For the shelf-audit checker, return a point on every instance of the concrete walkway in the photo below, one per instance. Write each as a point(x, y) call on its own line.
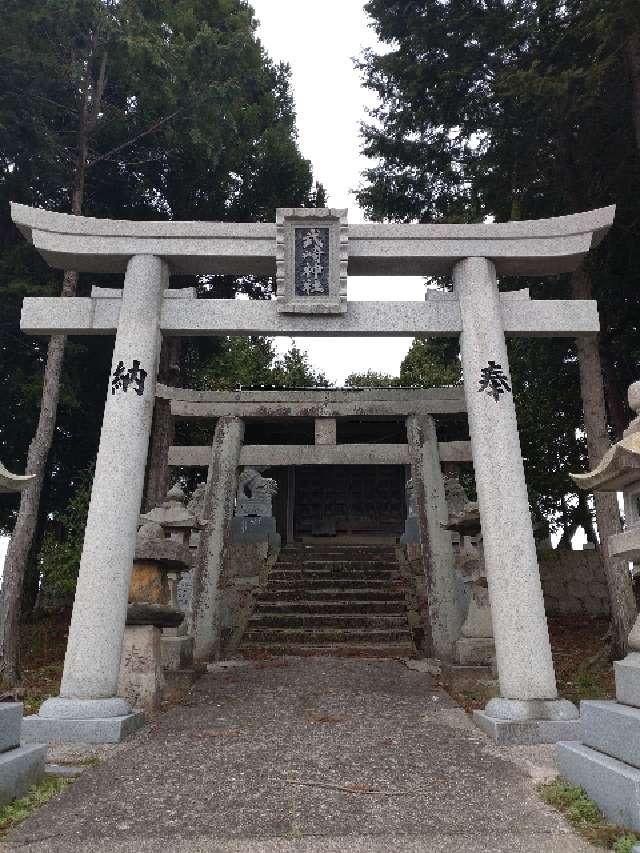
point(314, 754)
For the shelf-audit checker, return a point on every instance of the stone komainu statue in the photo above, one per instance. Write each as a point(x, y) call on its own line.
point(255, 493)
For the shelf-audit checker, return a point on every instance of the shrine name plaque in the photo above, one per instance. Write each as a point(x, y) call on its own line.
point(311, 260)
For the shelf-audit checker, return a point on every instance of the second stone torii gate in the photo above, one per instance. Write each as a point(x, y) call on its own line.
point(421, 453)
point(148, 252)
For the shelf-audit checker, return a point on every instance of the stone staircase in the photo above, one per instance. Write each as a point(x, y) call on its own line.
point(332, 599)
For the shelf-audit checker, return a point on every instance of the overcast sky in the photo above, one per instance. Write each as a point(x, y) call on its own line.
point(319, 41)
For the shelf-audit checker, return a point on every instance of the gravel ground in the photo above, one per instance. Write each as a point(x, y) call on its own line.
point(311, 754)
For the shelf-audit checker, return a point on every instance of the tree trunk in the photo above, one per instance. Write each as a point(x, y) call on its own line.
point(162, 430)
point(91, 91)
point(22, 537)
point(616, 403)
point(622, 599)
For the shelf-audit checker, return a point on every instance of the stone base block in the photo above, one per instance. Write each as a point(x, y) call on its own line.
point(462, 678)
point(141, 678)
point(178, 681)
point(475, 651)
point(37, 729)
point(176, 652)
point(614, 785)
point(613, 729)
point(627, 674)
point(20, 769)
point(526, 732)
point(247, 529)
point(10, 722)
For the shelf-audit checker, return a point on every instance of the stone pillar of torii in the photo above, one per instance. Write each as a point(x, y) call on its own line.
point(310, 252)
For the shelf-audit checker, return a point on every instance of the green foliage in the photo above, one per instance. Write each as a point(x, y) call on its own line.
point(586, 817)
point(196, 123)
point(519, 110)
point(19, 810)
point(60, 554)
point(431, 363)
point(254, 361)
point(371, 379)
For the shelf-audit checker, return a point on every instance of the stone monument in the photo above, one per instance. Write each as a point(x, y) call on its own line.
point(606, 760)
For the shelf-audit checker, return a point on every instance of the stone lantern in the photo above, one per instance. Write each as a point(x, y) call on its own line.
point(475, 647)
point(606, 763)
point(162, 554)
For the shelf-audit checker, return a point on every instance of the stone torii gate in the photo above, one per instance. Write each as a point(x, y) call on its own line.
point(421, 453)
point(310, 252)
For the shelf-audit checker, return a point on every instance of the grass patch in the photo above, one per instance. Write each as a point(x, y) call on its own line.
point(586, 817)
point(14, 813)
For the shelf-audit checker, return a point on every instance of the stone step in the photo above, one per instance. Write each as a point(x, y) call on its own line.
point(613, 784)
point(337, 565)
point(361, 650)
point(311, 596)
point(334, 583)
point(20, 769)
point(334, 607)
point(338, 556)
point(323, 622)
point(318, 637)
point(328, 575)
point(612, 728)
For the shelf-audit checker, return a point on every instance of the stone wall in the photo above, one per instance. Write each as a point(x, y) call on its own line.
point(573, 583)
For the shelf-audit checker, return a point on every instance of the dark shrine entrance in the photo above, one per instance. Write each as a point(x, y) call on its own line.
point(337, 500)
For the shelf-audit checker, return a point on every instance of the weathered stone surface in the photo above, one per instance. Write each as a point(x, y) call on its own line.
point(148, 583)
point(13, 482)
point(37, 729)
point(141, 679)
point(542, 247)
point(325, 431)
point(159, 615)
point(613, 729)
point(246, 530)
point(475, 651)
point(20, 769)
point(627, 673)
point(171, 555)
point(92, 660)
point(311, 260)
point(10, 721)
point(519, 710)
point(520, 733)
point(217, 512)
point(438, 560)
point(176, 652)
point(185, 317)
point(523, 651)
point(83, 709)
point(461, 678)
point(614, 785)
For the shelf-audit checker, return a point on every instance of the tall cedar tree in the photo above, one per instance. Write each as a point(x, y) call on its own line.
point(125, 109)
point(526, 109)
